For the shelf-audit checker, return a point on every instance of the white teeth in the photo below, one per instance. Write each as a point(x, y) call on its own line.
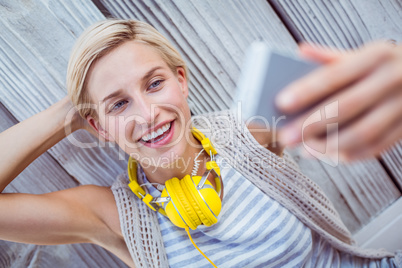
point(156, 133)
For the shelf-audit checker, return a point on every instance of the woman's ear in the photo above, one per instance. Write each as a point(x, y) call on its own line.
point(181, 77)
point(102, 134)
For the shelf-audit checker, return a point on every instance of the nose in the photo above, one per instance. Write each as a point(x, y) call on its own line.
point(146, 111)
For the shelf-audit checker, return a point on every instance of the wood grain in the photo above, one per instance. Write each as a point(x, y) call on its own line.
point(359, 191)
point(35, 42)
point(392, 160)
point(17, 255)
point(342, 24)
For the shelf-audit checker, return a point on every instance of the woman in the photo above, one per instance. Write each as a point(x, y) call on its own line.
point(137, 84)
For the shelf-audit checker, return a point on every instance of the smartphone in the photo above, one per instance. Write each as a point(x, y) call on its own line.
point(265, 72)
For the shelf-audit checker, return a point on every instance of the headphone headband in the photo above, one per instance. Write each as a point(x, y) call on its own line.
point(205, 142)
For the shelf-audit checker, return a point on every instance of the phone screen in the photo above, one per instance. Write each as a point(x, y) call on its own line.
point(264, 74)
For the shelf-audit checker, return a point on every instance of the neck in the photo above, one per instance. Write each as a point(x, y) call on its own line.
point(180, 167)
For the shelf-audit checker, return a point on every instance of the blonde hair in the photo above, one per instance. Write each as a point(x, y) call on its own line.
point(102, 37)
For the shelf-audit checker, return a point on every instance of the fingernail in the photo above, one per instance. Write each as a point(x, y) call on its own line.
point(285, 99)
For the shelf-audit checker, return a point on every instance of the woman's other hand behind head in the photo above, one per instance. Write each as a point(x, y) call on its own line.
point(73, 121)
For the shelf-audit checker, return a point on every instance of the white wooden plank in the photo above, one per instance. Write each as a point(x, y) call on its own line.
point(35, 43)
point(382, 18)
point(392, 160)
point(343, 24)
point(359, 191)
point(384, 230)
point(17, 255)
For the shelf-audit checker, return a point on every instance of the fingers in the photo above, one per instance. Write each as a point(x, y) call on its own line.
point(362, 94)
point(355, 100)
point(371, 133)
point(318, 53)
point(331, 78)
point(376, 131)
point(312, 124)
point(385, 143)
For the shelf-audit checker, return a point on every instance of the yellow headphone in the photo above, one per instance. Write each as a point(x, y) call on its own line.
point(191, 201)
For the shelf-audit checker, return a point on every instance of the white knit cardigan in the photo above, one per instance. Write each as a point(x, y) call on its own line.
point(278, 177)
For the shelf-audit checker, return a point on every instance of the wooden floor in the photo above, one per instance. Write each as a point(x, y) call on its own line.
point(35, 42)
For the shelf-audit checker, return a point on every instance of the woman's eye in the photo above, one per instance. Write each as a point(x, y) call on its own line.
point(155, 84)
point(118, 105)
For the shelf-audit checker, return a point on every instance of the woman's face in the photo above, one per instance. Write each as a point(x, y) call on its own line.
point(142, 103)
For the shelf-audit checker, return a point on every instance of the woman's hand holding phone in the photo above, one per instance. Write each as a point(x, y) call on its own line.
point(365, 85)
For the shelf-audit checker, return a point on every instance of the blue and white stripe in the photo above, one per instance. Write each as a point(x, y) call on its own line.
point(253, 230)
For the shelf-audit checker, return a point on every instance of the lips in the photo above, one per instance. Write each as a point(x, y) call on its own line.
point(157, 134)
point(160, 136)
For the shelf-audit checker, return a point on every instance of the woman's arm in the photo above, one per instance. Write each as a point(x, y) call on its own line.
point(24, 142)
point(266, 138)
point(84, 214)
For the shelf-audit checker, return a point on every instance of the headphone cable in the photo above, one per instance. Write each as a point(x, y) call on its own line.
point(196, 164)
point(202, 253)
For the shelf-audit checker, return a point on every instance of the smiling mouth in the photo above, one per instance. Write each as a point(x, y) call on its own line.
point(157, 135)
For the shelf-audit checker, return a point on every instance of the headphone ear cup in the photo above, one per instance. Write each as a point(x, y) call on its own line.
point(206, 201)
point(203, 218)
point(179, 210)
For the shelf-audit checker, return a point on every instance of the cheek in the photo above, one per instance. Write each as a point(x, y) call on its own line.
point(125, 128)
point(176, 98)
point(111, 126)
point(178, 104)
point(117, 128)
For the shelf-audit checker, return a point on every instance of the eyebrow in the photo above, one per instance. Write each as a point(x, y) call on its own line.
point(145, 77)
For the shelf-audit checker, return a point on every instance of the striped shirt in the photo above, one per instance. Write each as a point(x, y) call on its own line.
point(253, 230)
